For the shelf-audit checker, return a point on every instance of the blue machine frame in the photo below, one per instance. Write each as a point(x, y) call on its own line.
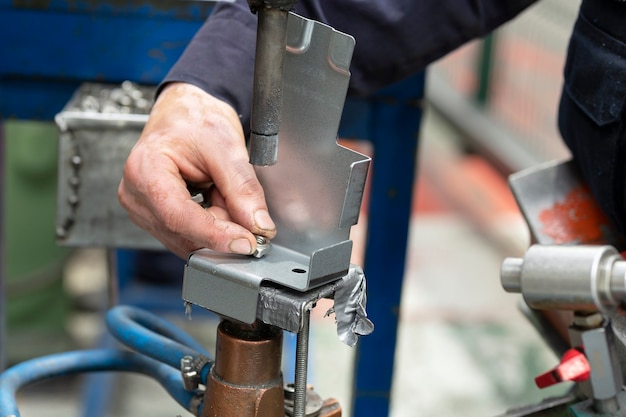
point(391, 121)
point(50, 47)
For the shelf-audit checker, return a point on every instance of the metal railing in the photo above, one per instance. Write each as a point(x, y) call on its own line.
point(503, 92)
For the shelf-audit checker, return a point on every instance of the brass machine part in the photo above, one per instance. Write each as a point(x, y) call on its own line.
point(246, 379)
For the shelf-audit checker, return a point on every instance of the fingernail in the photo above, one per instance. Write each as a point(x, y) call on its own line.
point(263, 220)
point(241, 246)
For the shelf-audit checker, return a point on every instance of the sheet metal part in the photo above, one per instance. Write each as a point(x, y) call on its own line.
point(314, 191)
point(285, 308)
point(559, 208)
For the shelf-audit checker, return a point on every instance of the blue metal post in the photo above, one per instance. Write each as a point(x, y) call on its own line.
point(69, 42)
point(394, 117)
point(2, 269)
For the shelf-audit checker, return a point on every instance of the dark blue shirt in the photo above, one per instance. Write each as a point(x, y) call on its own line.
point(394, 39)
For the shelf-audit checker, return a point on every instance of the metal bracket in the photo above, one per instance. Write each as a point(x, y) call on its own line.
point(559, 207)
point(314, 191)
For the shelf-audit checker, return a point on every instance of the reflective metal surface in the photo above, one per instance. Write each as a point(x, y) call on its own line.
point(559, 208)
point(267, 90)
point(558, 277)
point(98, 128)
point(314, 191)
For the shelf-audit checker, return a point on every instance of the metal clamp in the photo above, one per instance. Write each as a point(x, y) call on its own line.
point(191, 369)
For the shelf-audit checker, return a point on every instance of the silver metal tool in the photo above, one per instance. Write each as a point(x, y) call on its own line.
point(582, 278)
point(574, 266)
point(267, 94)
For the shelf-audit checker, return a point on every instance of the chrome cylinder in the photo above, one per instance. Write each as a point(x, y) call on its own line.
point(267, 97)
point(581, 278)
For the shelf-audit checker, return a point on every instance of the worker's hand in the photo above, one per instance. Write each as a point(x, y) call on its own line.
point(192, 138)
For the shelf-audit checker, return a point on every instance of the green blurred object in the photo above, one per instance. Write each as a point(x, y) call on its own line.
point(37, 306)
point(484, 69)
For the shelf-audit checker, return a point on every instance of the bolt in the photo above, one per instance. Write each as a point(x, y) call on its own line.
point(191, 379)
point(61, 232)
point(142, 103)
point(587, 321)
point(198, 198)
point(185, 363)
point(76, 161)
point(302, 357)
point(314, 402)
point(136, 94)
point(263, 246)
point(127, 85)
point(125, 101)
point(72, 199)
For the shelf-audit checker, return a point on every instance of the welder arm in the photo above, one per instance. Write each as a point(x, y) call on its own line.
point(395, 38)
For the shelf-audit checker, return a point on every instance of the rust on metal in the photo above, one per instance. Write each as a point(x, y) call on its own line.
point(575, 219)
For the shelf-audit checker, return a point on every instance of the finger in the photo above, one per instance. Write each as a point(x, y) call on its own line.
point(242, 195)
point(168, 212)
point(209, 228)
point(217, 199)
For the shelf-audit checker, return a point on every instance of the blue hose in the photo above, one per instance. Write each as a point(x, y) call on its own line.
point(162, 343)
point(69, 363)
point(153, 336)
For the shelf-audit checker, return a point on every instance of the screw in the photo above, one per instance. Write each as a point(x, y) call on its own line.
point(72, 199)
point(76, 161)
point(61, 232)
point(263, 246)
point(588, 321)
point(302, 357)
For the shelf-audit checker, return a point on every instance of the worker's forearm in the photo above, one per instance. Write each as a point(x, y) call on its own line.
point(394, 38)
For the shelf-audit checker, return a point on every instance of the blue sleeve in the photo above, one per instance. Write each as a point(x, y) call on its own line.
point(394, 39)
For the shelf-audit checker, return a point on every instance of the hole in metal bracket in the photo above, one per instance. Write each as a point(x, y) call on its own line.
point(299, 271)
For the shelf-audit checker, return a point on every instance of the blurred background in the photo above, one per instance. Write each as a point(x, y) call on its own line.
point(463, 345)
